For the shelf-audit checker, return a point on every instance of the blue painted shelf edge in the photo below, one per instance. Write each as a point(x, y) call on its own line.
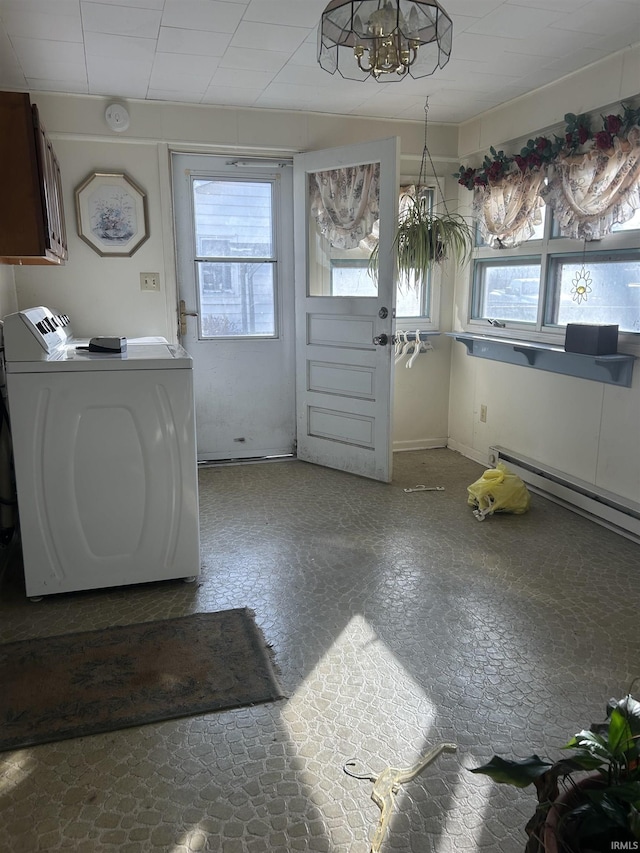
point(612, 369)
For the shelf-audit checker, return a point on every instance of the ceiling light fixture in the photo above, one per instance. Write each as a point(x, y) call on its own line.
point(384, 39)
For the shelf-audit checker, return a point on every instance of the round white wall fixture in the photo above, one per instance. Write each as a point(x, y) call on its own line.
point(117, 117)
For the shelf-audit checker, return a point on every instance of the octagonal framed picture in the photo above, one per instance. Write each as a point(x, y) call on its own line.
point(111, 212)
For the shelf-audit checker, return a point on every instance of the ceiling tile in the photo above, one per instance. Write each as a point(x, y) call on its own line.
point(33, 20)
point(231, 96)
point(278, 95)
point(254, 60)
point(551, 5)
point(291, 13)
point(306, 54)
point(120, 20)
point(12, 77)
point(74, 87)
point(475, 8)
point(172, 95)
point(38, 55)
point(573, 62)
point(118, 48)
point(555, 43)
point(243, 79)
point(201, 42)
point(513, 22)
point(125, 78)
point(623, 16)
point(174, 71)
point(209, 15)
point(137, 4)
point(613, 43)
point(269, 37)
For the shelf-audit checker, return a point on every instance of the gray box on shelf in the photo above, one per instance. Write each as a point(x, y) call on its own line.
point(591, 339)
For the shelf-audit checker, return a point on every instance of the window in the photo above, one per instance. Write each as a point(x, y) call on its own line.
point(235, 257)
point(508, 290)
point(349, 276)
point(549, 281)
point(612, 288)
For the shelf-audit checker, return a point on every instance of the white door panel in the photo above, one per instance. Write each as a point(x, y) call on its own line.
point(343, 379)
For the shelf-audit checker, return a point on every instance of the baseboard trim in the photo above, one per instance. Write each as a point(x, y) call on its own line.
point(419, 444)
point(469, 452)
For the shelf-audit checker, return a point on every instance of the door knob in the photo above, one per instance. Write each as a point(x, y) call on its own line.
point(183, 317)
point(381, 340)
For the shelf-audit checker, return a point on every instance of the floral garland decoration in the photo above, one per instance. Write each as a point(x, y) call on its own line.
point(543, 151)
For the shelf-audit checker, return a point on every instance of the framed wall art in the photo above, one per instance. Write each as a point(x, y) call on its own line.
point(111, 210)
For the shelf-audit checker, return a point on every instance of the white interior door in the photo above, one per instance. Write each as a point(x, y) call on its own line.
point(234, 238)
point(344, 323)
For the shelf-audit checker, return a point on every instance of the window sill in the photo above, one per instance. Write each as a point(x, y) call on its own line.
point(611, 369)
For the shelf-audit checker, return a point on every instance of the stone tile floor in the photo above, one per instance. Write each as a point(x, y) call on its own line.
point(398, 621)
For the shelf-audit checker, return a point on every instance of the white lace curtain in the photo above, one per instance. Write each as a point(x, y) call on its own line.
point(591, 192)
point(509, 210)
point(345, 204)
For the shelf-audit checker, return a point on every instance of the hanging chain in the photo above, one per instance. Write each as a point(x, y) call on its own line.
point(422, 176)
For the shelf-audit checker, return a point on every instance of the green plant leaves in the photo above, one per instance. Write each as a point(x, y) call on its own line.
point(591, 742)
point(620, 735)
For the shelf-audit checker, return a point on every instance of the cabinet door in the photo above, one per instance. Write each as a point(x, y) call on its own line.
point(53, 209)
point(31, 215)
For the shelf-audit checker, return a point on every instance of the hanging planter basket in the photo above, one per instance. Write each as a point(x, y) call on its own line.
point(424, 238)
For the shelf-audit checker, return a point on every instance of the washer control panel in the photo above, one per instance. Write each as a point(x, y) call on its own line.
point(33, 333)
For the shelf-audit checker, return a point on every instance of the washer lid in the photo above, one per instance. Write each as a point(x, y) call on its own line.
point(148, 356)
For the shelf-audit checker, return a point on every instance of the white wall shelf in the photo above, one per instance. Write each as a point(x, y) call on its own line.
point(613, 369)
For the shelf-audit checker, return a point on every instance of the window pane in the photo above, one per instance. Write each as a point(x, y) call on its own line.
point(233, 219)
point(236, 299)
point(630, 224)
point(507, 292)
point(351, 278)
point(412, 300)
point(605, 290)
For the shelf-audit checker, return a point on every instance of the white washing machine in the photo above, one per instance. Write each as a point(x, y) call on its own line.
point(105, 458)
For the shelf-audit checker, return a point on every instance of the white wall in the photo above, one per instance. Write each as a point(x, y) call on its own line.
point(587, 429)
point(103, 296)
point(8, 297)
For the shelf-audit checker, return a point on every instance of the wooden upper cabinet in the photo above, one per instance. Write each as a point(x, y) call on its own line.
point(32, 227)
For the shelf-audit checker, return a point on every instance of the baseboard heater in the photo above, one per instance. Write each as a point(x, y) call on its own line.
point(606, 508)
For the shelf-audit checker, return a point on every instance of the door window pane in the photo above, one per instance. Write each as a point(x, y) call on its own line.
point(352, 278)
point(233, 218)
point(236, 299)
point(234, 257)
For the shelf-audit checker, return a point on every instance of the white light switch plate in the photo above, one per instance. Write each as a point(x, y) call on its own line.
point(149, 281)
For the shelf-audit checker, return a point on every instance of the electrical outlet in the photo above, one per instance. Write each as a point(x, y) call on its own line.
point(149, 281)
point(483, 414)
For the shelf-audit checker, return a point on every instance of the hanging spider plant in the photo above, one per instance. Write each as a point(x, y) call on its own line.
point(424, 238)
